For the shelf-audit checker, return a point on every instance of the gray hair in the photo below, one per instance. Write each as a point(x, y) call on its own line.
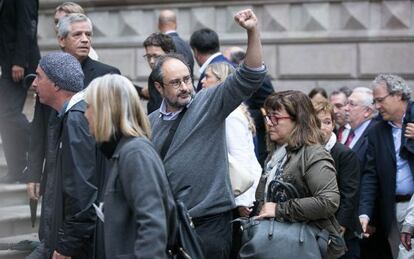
point(367, 98)
point(395, 84)
point(367, 95)
point(64, 25)
point(157, 74)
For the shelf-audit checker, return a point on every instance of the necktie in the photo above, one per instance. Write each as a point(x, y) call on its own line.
point(350, 138)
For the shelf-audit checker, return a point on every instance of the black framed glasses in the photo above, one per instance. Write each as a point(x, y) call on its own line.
point(380, 99)
point(176, 83)
point(150, 56)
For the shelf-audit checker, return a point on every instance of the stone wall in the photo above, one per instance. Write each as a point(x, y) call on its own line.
point(306, 43)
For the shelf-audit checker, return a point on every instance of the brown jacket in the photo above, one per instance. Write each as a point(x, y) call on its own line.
point(311, 170)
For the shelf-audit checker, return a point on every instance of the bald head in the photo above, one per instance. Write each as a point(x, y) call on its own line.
point(167, 21)
point(234, 54)
point(230, 50)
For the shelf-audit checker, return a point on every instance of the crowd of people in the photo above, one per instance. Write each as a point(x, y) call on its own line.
point(110, 172)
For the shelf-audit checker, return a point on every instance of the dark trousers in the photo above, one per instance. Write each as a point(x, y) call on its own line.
point(215, 233)
point(354, 251)
point(376, 246)
point(14, 126)
point(236, 237)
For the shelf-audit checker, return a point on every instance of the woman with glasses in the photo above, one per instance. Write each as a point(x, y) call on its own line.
point(297, 158)
point(240, 131)
point(135, 199)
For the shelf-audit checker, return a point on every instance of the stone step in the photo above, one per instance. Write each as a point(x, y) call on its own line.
point(18, 254)
point(13, 254)
point(13, 194)
point(15, 220)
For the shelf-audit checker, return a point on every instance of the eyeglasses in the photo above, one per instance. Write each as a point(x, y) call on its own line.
point(380, 99)
point(150, 56)
point(274, 119)
point(176, 83)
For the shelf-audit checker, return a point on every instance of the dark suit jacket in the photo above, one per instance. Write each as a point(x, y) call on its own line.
point(360, 147)
point(219, 58)
point(93, 69)
point(184, 49)
point(379, 175)
point(407, 145)
point(155, 98)
point(18, 35)
point(38, 141)
point(348, 176)
point(255, 103)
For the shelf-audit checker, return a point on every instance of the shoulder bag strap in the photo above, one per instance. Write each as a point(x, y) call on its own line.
point(173, 129)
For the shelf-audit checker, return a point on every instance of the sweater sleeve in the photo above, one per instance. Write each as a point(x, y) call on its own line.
point(239, 86)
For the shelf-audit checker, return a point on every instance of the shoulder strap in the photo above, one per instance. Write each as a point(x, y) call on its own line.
point(173, 129)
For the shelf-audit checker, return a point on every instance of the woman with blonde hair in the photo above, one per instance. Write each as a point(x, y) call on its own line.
point(135, 193)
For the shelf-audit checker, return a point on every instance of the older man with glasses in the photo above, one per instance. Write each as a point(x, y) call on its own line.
point(388, 174)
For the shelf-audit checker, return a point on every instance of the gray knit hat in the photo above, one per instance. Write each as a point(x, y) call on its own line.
point(64, 70)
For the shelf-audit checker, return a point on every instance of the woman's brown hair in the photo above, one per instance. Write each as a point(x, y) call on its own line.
point(300, 109)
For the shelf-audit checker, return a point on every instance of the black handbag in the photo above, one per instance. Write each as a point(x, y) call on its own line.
point(272, 239)
point(184, 243)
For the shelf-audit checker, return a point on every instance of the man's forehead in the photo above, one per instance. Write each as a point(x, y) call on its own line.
point(174, 68)
point(355, 97)
point(154, 49)
point(380, 88)
point(59, 14)
point(80, 26)
point(39, 70)
point(339, 97)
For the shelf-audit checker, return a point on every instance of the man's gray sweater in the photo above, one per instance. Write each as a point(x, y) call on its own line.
point(197, 156)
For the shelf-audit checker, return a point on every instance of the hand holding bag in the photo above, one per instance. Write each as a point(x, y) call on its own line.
point(271, 239)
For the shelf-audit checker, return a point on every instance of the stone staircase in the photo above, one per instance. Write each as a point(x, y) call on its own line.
point(15, 223)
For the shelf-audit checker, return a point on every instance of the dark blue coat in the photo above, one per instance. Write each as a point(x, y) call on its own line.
point(379, 175)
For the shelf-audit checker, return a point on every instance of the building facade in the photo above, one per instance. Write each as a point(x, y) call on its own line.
point(307, 43)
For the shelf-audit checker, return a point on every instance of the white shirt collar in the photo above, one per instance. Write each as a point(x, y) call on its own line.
point(79, 96)
point(358, 132)
point(170, 31)
point(204, 66)
point(170, 115)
